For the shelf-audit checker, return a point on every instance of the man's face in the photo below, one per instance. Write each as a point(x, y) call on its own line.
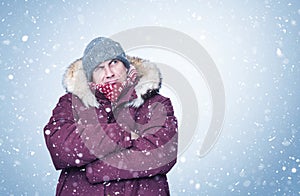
point(110, 71)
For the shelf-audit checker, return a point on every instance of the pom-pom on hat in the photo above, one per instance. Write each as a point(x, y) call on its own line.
point(99, 50)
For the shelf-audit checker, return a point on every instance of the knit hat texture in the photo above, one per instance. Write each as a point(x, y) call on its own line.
point(99, 50)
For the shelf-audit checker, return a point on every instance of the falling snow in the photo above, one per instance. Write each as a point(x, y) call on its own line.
point(255, 45)
point(25, 38)
point(10, 76)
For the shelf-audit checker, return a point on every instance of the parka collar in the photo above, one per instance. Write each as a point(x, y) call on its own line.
point(149, 80)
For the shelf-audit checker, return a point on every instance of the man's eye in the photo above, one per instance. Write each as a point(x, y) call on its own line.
point(98, 68)
point(114, 62)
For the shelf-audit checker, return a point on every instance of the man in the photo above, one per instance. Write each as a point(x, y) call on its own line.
point(112, 133)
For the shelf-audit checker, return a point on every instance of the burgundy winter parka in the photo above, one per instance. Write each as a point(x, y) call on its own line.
point(90, 139)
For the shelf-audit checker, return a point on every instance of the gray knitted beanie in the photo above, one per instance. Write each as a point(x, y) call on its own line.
point(99, 50)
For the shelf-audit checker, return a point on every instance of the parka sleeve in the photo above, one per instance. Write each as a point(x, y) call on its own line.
point(153, 153)
point(73, 141)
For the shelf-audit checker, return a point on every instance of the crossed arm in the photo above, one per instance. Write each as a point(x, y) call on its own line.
point(108, 150)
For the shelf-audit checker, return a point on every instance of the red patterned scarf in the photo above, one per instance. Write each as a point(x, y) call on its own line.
point(113, 91)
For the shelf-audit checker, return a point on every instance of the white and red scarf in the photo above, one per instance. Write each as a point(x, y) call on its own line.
point(113, 91)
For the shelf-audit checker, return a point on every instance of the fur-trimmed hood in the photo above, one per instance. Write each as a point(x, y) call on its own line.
point(149, 76)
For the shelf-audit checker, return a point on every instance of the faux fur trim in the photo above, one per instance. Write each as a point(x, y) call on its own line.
point(75, 81)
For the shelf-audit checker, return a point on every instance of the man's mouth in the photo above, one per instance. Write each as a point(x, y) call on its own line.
point(111, 82)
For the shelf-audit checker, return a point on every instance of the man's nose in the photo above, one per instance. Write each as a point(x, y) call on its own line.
point(108, 72)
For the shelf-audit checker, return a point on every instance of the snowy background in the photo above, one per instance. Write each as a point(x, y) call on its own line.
point(255, 45)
